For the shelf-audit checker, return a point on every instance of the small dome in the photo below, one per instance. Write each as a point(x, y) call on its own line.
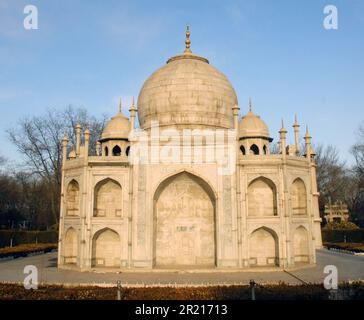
point(251, 126)
point(117, 128)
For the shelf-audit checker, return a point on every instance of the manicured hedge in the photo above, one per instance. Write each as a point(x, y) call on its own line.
point(25, 237)
point(340, 235)
point(24, 250)
point(348, 246)
point(354, 291)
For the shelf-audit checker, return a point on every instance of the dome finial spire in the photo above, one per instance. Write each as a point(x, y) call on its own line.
point(307, 133)
point(250, 104)
point(188, 41)
point(120, 105)
point(282, 121)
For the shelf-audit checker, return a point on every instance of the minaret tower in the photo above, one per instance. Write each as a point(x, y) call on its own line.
point(282, 139)
point(132, 111)
point(296, 128)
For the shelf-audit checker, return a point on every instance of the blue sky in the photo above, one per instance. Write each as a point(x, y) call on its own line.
point(89, 53)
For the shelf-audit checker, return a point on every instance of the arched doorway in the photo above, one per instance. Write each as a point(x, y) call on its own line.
point(300, 245)
point(242, 149)
point(263, 248)
point(106, 249)
point(70, 246)
point(116, 151)
point(184, 223)
point(254, 150)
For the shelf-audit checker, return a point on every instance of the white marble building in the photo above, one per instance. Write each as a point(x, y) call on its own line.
point(191, 187)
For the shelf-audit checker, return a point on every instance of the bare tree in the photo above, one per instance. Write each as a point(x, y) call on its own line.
point(332, 174)
point(2, 161)
point(357, 183)
point(39, 140)
point(358, 151)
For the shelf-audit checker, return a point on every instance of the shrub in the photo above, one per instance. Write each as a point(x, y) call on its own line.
point(25, 237)
point(350, 246)
point(24, 249)
point(343, 225)
point(356, 236)
point(269, 292)
point(354, 291)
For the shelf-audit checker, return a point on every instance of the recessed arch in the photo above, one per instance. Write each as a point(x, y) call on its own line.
point(299, 197)
point(262, 198)
point(301, 245)
point(242, 150)
point(184, 222)
point(73, 198)
point(106, 249)
point(254, 149)
point(265, 150)
point(263, 247)
point(108, 199)
point(205, 183)
point(70, 246)
point(116, 151)
point(106, 151)
point(127, 151)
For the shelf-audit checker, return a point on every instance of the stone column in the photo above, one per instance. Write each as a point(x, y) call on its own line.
point(132, 116)
point(314, 193)
point(62, 203)
point(98, 148)
point(296, 128)
point(78, 139)
point(286, 260)
point(238, 189)
point(84, 212)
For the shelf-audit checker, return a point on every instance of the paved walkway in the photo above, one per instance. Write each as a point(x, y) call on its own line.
point(349, 267)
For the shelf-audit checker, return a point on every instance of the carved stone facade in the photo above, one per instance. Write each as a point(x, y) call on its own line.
point(184, 223)
point(122, 208)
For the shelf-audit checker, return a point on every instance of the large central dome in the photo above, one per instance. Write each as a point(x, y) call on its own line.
point(187, 92)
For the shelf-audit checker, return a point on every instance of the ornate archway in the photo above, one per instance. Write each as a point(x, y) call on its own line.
point(184, 222)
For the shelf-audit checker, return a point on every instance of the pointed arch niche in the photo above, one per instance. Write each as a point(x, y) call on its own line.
point(263, 248)
point(73, 199)
point(299, 197)
point(301, 245)
point(108, 199)
point(262, 198)
point(184, 222)
point(70, 246)
point(106, 249)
